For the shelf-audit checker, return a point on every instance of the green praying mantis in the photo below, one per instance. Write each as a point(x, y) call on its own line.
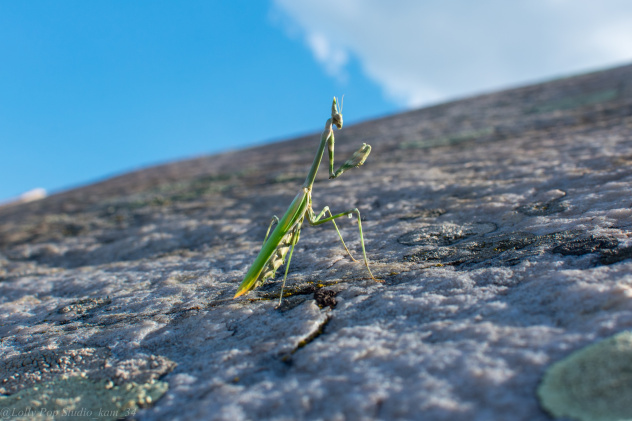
point(287, 231)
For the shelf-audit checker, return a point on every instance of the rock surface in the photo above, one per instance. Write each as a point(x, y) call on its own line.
point(500, 225)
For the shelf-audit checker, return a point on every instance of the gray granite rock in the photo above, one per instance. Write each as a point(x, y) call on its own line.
point(500, 225)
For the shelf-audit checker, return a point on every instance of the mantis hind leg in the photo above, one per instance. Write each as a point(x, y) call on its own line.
point(293, 242)
point(317, 220)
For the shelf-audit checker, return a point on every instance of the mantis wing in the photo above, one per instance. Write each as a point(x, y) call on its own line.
point(273, 252)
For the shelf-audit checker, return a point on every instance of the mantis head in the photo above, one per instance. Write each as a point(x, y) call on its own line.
point(336, 114)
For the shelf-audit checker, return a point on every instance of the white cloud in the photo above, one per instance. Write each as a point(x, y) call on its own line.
point(422, 52)
point(330, 56)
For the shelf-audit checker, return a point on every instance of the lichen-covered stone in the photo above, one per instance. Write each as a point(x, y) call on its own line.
point(592, 384)
point(78, 398)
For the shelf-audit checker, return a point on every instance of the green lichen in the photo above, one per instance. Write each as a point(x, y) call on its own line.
point(80, 398)
point(577, 101)
point(453, 139)
point(592, 384)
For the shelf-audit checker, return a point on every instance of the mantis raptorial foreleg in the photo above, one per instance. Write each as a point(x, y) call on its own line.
point(355, 161)
point(316, 220)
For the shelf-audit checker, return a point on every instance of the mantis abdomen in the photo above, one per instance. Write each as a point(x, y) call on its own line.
point(278, 256)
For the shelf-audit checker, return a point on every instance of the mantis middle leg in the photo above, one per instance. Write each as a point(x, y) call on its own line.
point(319, 216)
point(317, 220)
point(275, 220)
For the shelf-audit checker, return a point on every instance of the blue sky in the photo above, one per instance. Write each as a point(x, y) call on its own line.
point(90, 89)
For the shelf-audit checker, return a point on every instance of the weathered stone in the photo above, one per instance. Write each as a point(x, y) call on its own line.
point(500, 226)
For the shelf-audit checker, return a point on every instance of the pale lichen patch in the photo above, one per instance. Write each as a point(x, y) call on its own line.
point(80, 398)
point(592, 384)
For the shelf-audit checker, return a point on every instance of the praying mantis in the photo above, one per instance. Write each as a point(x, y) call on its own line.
point(287, 231)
